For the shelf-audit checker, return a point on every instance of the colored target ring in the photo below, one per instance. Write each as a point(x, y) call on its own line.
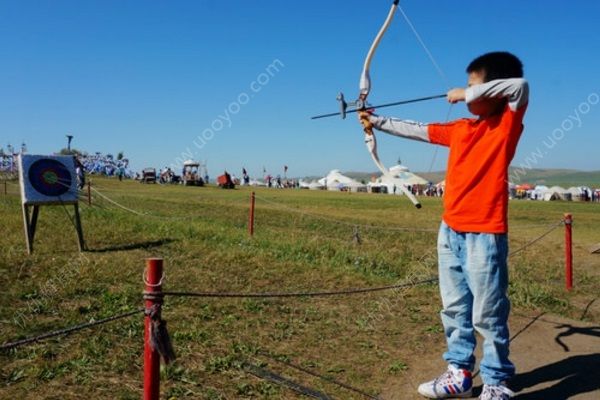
point(50, 177)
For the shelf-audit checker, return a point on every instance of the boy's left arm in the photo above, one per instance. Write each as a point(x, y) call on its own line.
point(515, 90)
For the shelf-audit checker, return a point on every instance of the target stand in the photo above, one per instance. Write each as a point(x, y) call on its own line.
point(47, 180)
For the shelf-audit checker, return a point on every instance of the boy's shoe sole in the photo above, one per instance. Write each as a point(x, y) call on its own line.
point(468, 393)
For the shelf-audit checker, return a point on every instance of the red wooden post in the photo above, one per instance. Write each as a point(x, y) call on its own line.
point(251, 221)
point(568, 251)
point(89, 192)
point(153, 284)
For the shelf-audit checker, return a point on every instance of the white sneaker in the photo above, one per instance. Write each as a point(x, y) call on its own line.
point(454, 383)
point(496, 392)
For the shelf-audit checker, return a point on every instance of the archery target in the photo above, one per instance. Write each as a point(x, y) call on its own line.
point(47, 179)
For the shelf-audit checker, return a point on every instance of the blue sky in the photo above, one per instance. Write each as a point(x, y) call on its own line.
point(156, 79)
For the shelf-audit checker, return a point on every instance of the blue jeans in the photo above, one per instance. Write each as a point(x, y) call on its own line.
point(473, 284)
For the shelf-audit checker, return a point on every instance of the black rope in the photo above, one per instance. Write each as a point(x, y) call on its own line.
point(322, 377)
point(74, 328)
point(552, 228)
point(300, 294)
point(283, 381)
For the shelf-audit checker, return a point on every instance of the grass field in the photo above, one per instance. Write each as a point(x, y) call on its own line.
point(299, 244)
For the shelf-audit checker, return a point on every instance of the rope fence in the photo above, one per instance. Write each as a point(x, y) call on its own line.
point(551, 228)
point(320, 376)
point(87, 199)
point(343, 222)
point(66, 331)
point(268, 295)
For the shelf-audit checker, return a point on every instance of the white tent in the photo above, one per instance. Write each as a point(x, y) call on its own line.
point(303, 184)
point(256, 182)
point(399, 175)
point(557, 193)
point(314, 185)
point(576, 193)
point(335, 180)
point(539, 192)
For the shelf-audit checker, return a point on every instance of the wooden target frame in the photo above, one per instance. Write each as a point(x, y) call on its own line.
point(47, 180)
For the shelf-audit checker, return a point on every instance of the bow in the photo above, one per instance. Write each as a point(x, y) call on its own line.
point(361, 103)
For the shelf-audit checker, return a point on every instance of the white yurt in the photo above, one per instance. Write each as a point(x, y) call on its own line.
point(256, 183)
point(399, 175)
point(337, 181)
point(557, 193)
point(314, 185)
point(302, 184)
point(538, 192)
point(576, 193)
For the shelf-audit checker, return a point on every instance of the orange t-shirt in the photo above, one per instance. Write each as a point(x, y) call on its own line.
point(476, 194)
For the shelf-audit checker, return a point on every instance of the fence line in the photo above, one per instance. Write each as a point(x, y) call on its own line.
point(142, 213)
point(342, 222)
point(540, 237)
point(64, 331)
point(350, 291)
point(320, 376)
point(266, 295)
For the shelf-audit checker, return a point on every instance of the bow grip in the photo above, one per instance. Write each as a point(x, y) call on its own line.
point(343, 105)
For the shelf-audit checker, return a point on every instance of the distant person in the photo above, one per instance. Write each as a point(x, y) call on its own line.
point(80, 173)
point(120, 173)
point(472, 240)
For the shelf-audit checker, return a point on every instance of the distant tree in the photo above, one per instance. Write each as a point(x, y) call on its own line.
point(66, 152)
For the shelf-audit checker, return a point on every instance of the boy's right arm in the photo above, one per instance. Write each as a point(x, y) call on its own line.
point(403, 128)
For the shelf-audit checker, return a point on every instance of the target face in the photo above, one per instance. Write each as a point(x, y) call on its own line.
point(47, 179)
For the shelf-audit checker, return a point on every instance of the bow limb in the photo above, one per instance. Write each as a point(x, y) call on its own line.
point(365, 79)
point(365, 86)
point(371, 143)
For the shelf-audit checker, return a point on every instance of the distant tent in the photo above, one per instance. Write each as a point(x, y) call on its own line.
point(576, 193)
point(399, 175)
point(314, 185)
point(557, 193)
point(335, 180)
point(256, 182)
point(539, 192)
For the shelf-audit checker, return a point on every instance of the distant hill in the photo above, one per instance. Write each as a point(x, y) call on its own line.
point(548, 177)
point(560, 177)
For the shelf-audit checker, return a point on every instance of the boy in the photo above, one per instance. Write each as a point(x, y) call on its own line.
point(472, 240)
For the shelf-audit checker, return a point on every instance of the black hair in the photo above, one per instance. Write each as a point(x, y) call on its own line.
point(497, 65)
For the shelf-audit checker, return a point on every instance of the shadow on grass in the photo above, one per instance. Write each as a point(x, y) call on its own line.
point(132, 246)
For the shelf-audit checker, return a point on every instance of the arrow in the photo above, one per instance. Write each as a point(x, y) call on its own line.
point(397, 103)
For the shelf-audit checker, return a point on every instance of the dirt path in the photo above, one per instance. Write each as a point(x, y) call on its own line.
point(556, 359)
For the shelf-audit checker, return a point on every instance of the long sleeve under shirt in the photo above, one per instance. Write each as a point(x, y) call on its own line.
point(476, 194)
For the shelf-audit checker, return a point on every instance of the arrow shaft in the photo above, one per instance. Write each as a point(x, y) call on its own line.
point(396, 103)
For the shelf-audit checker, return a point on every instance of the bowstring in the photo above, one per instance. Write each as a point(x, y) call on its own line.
point(437, 67)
